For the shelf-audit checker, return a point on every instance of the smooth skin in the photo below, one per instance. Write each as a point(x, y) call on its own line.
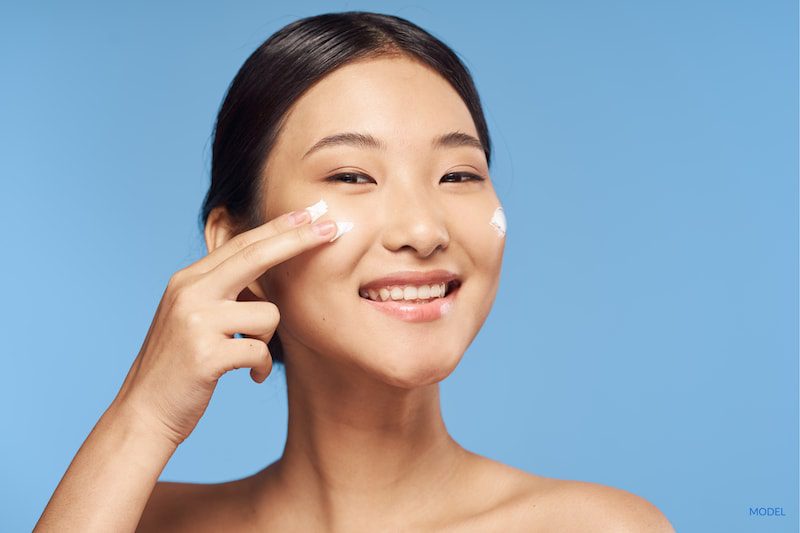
point(367, 448)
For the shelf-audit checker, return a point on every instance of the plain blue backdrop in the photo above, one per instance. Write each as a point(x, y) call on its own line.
point(645, 334)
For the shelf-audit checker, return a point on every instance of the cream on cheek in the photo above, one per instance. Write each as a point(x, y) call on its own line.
point(320, 208)
point(498, 222)
point(480, 231)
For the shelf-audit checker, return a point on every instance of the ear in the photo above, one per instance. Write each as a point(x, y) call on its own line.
point(219, 229)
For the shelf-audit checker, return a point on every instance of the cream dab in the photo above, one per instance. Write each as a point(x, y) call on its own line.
point(498, 221)
point(446, 307)
point(317, 210)
point(341, 229)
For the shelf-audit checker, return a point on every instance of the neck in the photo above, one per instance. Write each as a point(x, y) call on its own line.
point(358, 447)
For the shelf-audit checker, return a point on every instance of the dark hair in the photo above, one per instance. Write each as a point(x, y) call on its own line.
point(279, 71)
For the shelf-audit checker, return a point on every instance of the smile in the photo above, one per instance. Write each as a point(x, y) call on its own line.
point(413, 303)
point(415, 293)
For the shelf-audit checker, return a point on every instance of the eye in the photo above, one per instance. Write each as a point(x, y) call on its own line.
point(349, 177)
point(457, 175)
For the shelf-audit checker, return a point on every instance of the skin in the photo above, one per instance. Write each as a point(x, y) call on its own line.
point(367, 449)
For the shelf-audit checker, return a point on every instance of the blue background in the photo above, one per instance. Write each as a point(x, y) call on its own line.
point(645, 334)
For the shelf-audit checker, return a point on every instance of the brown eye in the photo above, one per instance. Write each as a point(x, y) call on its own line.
point(458, 175)
point(349, 177)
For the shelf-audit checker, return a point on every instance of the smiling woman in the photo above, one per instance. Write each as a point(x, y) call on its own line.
point(355, 236)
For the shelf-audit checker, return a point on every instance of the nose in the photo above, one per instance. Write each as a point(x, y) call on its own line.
point(414, 219)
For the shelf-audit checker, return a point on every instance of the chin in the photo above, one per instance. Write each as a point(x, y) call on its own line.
point(407, 367)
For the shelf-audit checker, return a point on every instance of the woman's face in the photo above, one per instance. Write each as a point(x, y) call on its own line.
point(409, 214)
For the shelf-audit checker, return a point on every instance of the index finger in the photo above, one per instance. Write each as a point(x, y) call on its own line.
point(232, 275)
point(269, 229)
point(243, 240)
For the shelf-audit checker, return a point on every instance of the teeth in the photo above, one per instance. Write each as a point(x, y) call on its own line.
point(409, 292)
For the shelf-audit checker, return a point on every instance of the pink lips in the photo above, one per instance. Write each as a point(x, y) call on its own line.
point(416, 312)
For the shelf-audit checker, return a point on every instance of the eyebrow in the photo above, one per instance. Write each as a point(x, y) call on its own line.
point(452, 139)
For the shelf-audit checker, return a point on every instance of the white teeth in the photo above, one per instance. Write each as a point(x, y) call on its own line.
point(409, 292)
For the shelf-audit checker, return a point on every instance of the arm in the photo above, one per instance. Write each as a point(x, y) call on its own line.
point(188, 347)
point(108, 483)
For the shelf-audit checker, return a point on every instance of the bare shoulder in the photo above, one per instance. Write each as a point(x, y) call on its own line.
point(571, 505)
point(195, 507)
point(607, 508)
point(530, 502)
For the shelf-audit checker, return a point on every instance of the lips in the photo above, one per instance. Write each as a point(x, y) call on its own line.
point(419, 311)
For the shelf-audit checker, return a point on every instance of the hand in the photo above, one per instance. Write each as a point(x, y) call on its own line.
point(190, 343)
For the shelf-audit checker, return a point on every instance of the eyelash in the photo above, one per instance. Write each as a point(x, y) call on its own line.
point(472, 177)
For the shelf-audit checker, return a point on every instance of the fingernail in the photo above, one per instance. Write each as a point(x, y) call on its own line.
point(317, 210)
point(298, 217)
point(341, 229)
point(325, 228)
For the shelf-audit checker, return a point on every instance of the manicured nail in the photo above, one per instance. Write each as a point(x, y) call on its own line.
point(325, 228)
point(298, 217)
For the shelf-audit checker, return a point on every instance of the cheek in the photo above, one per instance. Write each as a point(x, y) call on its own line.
point(309, 286)
point(481, 231)
point(295, 279)
point(481, 236)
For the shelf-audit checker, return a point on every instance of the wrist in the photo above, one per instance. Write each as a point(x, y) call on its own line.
point(141, 425)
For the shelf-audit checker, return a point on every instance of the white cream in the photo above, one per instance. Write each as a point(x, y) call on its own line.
point(498, 221)
point(446, 307)
point(317, 210)
point(342, 228)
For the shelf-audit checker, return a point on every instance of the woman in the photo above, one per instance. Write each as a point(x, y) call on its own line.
point(354, 236)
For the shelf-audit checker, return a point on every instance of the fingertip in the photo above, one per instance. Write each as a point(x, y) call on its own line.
point(257, 376)
point(326, 228)
point(296, 218)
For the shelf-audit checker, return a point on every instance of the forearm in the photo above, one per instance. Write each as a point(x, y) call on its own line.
point(110, 479)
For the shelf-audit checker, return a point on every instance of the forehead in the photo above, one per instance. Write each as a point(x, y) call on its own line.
point(397, 98)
